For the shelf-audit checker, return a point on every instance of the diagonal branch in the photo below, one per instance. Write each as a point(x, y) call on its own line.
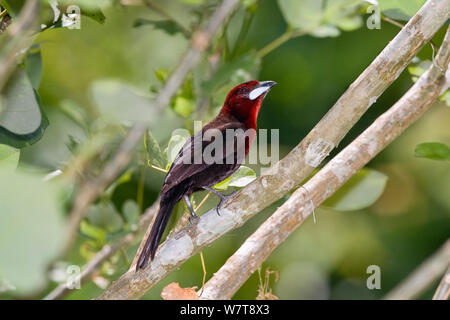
point(443, 290)
point(90, 190)
point(424, 276)
point(286, 219)
point(107, 251)
point(300, 162)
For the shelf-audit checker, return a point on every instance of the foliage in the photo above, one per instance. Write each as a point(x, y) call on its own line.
point(433, 150)
point(98, 81)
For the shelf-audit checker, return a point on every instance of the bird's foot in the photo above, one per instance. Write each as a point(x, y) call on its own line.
point(223, 197)
point(193, 219)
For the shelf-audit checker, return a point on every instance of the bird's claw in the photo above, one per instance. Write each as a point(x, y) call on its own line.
point(193, 219)
point(224, 198)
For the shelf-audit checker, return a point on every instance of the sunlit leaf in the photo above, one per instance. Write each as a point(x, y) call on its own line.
point(162, 75)
point(359, 192)
point(95, 13)
point(432, 150)
point(243, 176)
point(183, 106)
point(154, 153)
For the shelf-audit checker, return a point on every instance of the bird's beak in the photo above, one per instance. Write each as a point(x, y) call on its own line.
point(262, 88)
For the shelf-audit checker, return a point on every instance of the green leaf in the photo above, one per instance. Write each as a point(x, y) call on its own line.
point(22, 122)
point(31, 230)
point(162, 75)
point(326, 31)
point(93, 232)
point(33, 66)
point(243, 176)
point(95, 13)
point(322, 18)
point(13, 6)
point(302, 14)
point(155, 155)
point(168, 26)
point(359, 192)
point(105, 216)
point(418, 68)
point(9, 157)
point(400, 9)
point(130, 211)
point(446, 98)
point(432, 150)
point(183, 106)
point(122, 103)
point(76, 113)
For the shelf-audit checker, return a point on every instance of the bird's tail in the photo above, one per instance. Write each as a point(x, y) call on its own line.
point(166, 206)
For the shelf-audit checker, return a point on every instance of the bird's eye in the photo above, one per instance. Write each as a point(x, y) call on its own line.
point(243, 91)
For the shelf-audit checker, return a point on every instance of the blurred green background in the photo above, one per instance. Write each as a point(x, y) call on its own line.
point(325, 260)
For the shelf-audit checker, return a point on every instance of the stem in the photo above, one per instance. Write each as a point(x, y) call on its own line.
point(392, 21)
point(2, 13)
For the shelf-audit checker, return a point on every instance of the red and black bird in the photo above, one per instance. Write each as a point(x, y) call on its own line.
point(185, 176)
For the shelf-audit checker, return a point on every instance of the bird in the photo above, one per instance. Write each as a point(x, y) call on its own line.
point(231, 132)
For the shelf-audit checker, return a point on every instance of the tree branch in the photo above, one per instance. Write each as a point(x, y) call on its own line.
point(296, 166)
point(424, 276)
point(90, 190)
point(257, 248)
point(107, 251)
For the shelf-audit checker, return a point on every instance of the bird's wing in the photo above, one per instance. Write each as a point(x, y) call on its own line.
point(184, 165)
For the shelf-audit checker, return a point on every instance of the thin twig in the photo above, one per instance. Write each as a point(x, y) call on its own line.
point(423, 277)
point(105, 253)
point(298, 164)
point(287, 218)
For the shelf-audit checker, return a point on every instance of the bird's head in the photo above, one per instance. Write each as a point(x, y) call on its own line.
point(244, 100)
